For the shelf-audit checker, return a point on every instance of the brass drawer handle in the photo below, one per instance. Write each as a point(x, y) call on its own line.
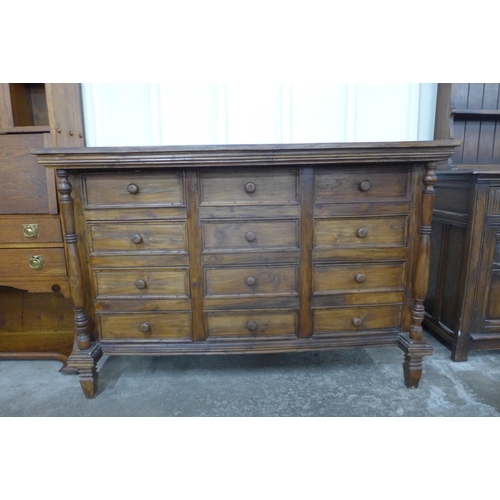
point(250, 236)
point(250, 187)
point(251, 281)
point(36, 261)
point(365, 186)
point(357, 321)
point(140, 284)
point(362, 232)
point(145, 327)
point(251, 325)
point(30, 230)
point(360, 278)
point(137, 238)
point(133, 188)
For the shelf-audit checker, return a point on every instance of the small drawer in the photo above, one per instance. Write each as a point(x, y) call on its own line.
point(361, 184)
point(125, 190)
point(164, 283)
point(250, 235)
point(360, 232)
point(341, 319)
point(251, 323)
point(139, 237)
point(249, 187)
point(29, 230)
point(35, 262)
point(172, 325)
point(335, 278)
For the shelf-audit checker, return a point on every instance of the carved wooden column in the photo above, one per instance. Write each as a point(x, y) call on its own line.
point(415, 347)
point(85, 355)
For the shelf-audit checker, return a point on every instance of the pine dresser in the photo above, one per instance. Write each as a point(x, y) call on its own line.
point(238, 249)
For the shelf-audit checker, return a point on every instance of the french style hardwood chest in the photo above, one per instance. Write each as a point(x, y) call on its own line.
point(237, 249)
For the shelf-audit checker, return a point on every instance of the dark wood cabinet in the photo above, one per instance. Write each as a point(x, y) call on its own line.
point(32, 259)
point(464, 293)
point(236, 249)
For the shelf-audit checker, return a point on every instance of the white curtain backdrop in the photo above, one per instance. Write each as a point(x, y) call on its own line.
point(147, 114)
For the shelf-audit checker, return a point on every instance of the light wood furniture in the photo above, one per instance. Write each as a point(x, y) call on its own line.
point(32, 259)
point(463, 304)
point(235, 249)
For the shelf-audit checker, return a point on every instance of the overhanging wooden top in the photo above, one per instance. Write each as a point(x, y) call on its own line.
point(246, 155)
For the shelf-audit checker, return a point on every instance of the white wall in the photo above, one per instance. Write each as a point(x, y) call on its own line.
point(126, 114)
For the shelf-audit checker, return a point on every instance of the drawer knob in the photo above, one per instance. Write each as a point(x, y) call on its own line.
point(30, 230)
point(251, 325)
point(137, 238)
point(360, 278)
point(145, 327)
point(251, 281)
point(357, 321)
point(250, 236)
point(36, 261)
point(250, 187)
point(365, 186)
point(362, 232)
point(140, 284)
point(133, 188)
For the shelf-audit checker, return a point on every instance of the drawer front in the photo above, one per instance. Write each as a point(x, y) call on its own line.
point(355, 318)
point(336, 278)
point(250, 235)
point(125, 190)
point(139, 237)
point(35, 262)
point(29, 230)
point(360, 185)
point(251, 323)
point(256, 280)
point(173, 325)
point(360, 232)
point(249, 187)
point(163, 283)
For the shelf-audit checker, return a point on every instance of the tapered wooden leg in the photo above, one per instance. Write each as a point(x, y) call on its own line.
point(414, 351)
point(85, 363)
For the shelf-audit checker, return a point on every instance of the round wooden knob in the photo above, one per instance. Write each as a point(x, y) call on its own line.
point(362, 232)
point(251, 281)
point(357, 321)
point(140, 284)
point(250, 236)
point(360, 278)
point(251, 325)
point(133, 188)
point(137, 238)
point(365, 186)
point(145, 327)
point(250, 187)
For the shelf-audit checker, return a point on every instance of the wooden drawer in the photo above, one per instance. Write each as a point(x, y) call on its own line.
point(361, 184)
point(249, 187)
point(256, 280)
point(164, 283)
point(250, 235)
point(139, 237)
point(251, 323)
point(331, 320)
point(360, 232)
point(126, 190)
point(335, 278)
point(29, 230)
point(21, 262)
point(173, 325)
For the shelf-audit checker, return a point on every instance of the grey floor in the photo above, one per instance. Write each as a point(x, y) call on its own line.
point(351, 383)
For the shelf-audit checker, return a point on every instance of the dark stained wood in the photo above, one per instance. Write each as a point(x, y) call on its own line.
point(310, 268)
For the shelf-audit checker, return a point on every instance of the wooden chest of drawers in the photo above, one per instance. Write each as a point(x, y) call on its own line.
point(234, 249)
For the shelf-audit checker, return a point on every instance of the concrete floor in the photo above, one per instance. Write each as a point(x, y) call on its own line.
point(352, 383)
